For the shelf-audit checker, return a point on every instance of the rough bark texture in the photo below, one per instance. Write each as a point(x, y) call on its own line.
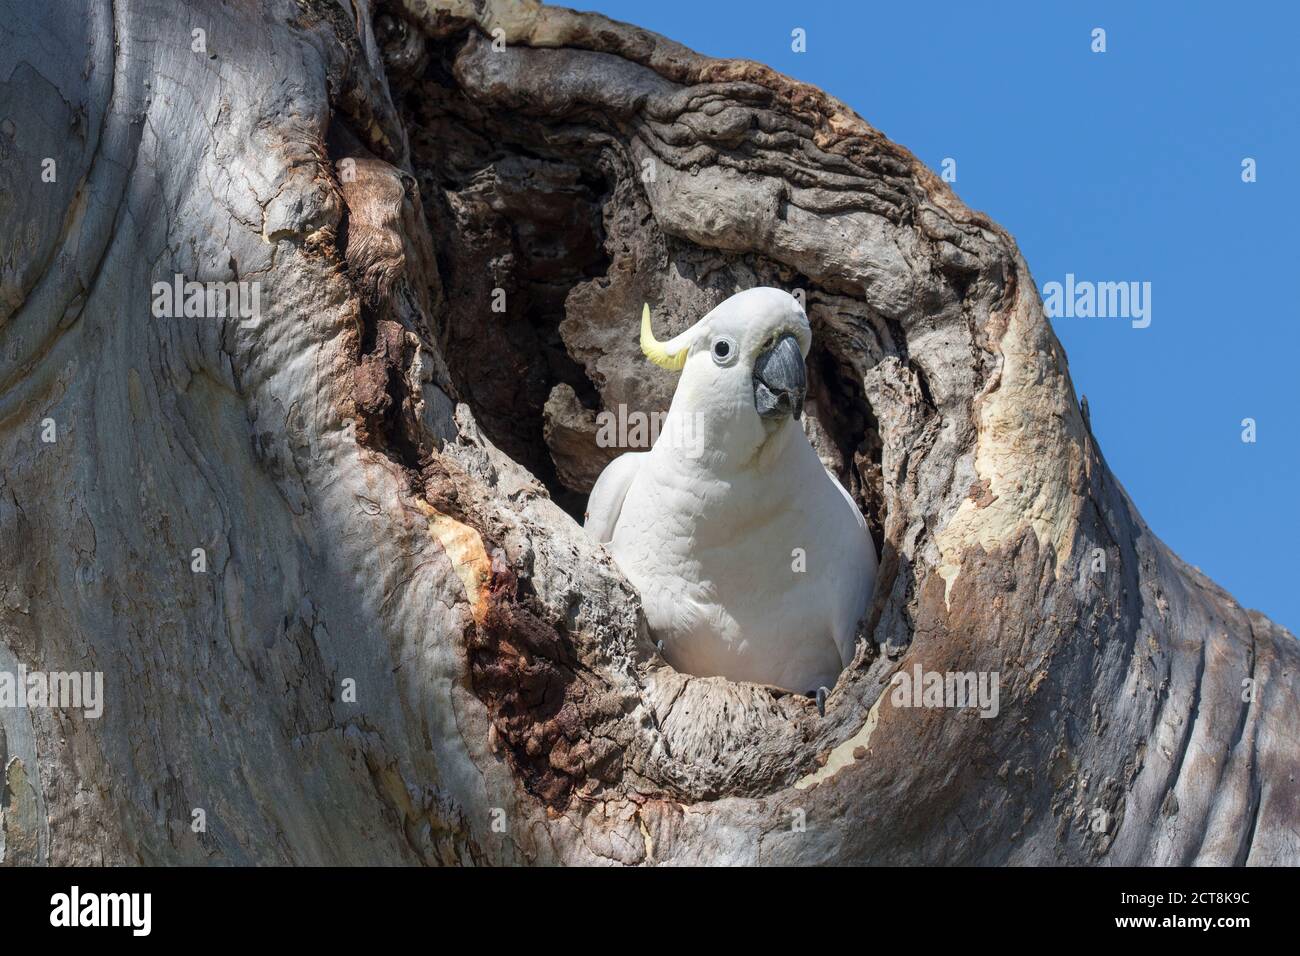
point(384, 470)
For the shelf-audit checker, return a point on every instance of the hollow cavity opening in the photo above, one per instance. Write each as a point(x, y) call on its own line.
point(521, 218)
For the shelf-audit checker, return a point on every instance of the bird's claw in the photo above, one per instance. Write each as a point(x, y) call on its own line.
point(821, 701)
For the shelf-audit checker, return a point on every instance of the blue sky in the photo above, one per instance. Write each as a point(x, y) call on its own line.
point(1123, 165)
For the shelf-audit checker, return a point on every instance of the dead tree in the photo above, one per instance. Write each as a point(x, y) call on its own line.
point(326, 551)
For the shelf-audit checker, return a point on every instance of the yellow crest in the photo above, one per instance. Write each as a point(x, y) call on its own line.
point(654, 349)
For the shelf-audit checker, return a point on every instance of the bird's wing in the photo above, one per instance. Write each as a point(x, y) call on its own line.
point(863, 569)
point(606, 501)
point(844, 493)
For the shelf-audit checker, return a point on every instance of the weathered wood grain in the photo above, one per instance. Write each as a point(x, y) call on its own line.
point(367, 470)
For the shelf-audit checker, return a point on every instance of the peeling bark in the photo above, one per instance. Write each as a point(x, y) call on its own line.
point(384, 472)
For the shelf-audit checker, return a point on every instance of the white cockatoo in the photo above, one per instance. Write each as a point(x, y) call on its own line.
point(751, 559)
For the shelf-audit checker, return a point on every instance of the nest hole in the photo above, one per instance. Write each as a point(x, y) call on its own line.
point(527, 209)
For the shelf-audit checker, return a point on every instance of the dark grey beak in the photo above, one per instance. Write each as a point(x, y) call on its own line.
point(780, 382)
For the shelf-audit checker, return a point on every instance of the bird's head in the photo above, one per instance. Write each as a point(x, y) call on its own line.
point(744, 360)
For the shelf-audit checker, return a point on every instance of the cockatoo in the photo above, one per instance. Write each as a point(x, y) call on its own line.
point(752, 561)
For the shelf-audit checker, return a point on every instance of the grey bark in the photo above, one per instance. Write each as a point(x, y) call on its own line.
point(384, 472)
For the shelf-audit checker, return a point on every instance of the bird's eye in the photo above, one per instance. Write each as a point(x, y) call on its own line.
point(724, 351)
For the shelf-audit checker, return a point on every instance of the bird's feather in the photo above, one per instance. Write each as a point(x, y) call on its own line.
point(606, 500)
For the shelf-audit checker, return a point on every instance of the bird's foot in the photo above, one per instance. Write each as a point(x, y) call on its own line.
point(821, 700)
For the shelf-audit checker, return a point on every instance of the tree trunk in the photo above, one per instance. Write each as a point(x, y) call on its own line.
point(396, 644)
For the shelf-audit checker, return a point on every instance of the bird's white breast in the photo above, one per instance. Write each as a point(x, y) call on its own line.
point(760, 575)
